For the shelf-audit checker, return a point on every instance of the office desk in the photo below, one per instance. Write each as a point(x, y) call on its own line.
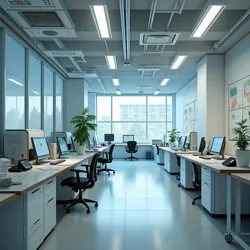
point(120, 152)
point(170, 159)
point(214, 183)
point(230, 235)
point(102, 149)
point(30, 217)
point(4, 198)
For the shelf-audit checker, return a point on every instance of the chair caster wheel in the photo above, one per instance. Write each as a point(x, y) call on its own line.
point(88, 211)
point(114, 172)
point(228, 237)
point(68, 211)
point(193, 202)
point(179, 185)
point(96, 205)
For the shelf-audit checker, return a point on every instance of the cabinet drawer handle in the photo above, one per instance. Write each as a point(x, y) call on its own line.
point(50, 182)
point(35, 190)
point(50, 200)
point(205, 183)
point(36, 222)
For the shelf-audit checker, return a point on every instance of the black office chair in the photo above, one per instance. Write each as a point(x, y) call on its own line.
point(157, 149)
point(132, 149)
point(107, 159)
point(178, 162)
point(79, 184)
point(196, 181)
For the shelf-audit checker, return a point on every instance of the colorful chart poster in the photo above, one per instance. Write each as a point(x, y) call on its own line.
point(191, 111)
point(246, 115)
point(235, 96)
point(234, 117)
point(246, 92)
point(189, 127)
point(185, 117)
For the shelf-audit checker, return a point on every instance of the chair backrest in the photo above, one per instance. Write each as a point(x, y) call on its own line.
point(111, 152)
point(131, 145)
point(157, 148)
point(195, 179)
point(92, 170)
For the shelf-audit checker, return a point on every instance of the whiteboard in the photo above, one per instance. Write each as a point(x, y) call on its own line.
point(246, 115)
point(234, 117)
point(235, 95)
point(246, 92)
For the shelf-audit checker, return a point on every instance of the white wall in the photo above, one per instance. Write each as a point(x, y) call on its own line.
point(75, 100)
point(92, 107)
point(237, 66)
point(185, 96)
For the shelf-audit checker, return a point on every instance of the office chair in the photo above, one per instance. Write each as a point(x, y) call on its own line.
point(196, 181)
point(157, 149)
point(178, 162)
point(105, 160)
point(131, 148)
point(79, 184)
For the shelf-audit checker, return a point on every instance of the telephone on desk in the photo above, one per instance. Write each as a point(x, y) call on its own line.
point(23, 165)
point(230, 162)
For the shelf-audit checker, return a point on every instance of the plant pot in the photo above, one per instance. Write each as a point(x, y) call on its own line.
point(242, 157)
point(80, 149)
point(172, 144)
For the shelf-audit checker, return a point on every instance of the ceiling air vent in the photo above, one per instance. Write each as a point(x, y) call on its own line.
point(158, 38)
point(43, 19)
point(28, 3)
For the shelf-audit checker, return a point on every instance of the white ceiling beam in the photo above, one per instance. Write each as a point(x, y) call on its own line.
point(72, 59)
point(59, 43)
point(59, 64)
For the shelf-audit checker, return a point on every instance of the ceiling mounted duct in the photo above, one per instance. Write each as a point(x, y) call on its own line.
point(158, 38)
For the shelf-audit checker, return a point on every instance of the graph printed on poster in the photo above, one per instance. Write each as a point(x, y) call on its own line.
point(246, 115)
point(189, 117)
point(234, 117)
point(246, 92)
point(235, 95)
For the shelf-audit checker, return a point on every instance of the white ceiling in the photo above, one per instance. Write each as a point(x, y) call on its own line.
point(94, 48)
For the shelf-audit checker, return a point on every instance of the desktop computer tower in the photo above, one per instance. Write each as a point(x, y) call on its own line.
point(193, 137)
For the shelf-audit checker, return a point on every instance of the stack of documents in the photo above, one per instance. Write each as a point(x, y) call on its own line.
point(4, 164)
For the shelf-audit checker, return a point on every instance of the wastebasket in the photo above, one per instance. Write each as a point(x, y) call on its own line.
point(148, 155)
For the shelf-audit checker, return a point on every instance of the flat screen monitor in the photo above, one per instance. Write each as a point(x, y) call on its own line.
point(62, 145)
point(127, 138)
point(179, 141)
point(95, 141)
point(202, 145)
point(218, 145)
point(109, 138)
point(182, 142)
point(73, 147)
point(41, 148)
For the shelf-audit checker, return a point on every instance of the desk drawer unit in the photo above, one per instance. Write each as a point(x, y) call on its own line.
point(35, 239)
point(49, 185)
point(206, 194)
point(170, 163)
point(186, 174)
point(206, 171)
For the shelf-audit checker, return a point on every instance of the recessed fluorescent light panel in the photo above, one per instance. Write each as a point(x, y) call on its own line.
point(101, 18)
point(116, 81)
point(118, 91)
point(157, 91)
point(111, 61)
point(35, 92)
point(212, 12)
point(16, 82)
point(178, 61)
point(164, 82)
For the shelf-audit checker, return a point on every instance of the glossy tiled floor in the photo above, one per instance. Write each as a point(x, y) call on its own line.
point(140, 208)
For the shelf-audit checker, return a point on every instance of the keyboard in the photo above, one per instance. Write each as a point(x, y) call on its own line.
point(205, 157)
point(57, 162)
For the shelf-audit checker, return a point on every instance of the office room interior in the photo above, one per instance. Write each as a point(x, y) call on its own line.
point(124, 124)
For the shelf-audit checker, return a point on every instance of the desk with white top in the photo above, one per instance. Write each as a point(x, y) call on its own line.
point(29, 218)
point(214, 183)
point(4, 198)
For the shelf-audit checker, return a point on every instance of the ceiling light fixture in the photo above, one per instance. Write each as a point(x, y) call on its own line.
point(111, 61)
point(157, 91)
point(209, 15)
point(118, 91)
point(16, 82)
point(116, 81)
point(178, 61)
point(164, 82)
point(35, 92)
point(101, 18)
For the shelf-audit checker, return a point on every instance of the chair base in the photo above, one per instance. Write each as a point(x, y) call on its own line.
point(131, 158)
point(197, 198)
point(178, 177)
point(108, 170)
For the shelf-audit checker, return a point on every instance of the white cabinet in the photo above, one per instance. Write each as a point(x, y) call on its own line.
point(170, 163)
point(186, 174)
point(159, 159)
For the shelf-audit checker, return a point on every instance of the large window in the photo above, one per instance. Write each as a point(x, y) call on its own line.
point(145, 117)
point(34, 93)
point(59, 95)
point(15, 84)
point(48, 102)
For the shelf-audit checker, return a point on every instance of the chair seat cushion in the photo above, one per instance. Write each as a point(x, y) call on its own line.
point(103, 160)
point(72, 182)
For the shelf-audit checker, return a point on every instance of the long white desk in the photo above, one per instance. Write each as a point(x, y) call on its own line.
point(4, 198)
point(30, 217)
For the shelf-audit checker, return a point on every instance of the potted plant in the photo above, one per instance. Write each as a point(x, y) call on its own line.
point(83, 124)
point(173, 135)
point(242, 139)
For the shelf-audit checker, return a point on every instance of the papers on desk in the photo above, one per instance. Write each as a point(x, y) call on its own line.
point(47, 168)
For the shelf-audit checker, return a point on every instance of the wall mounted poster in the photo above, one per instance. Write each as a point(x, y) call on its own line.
point(189, 127)
point(189, 117)
point(234, 117)
point(191, 111)
point(246, 115)
point(195, 110)
point(246, 92)
point(185, 118)
point(235, 96)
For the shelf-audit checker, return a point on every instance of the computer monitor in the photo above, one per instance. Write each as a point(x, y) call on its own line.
point(73, 147)
point(218, 145)
point(41, 148)
point(127, 138)
point(109, 138)
point(62, 145)
point(202, 145)
point(182, 142)
point(179, 141)
point(95, 141)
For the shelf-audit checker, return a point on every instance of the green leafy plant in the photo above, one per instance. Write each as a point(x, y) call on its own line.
point(241, 135)
point(83, 124)
point(173, 134)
